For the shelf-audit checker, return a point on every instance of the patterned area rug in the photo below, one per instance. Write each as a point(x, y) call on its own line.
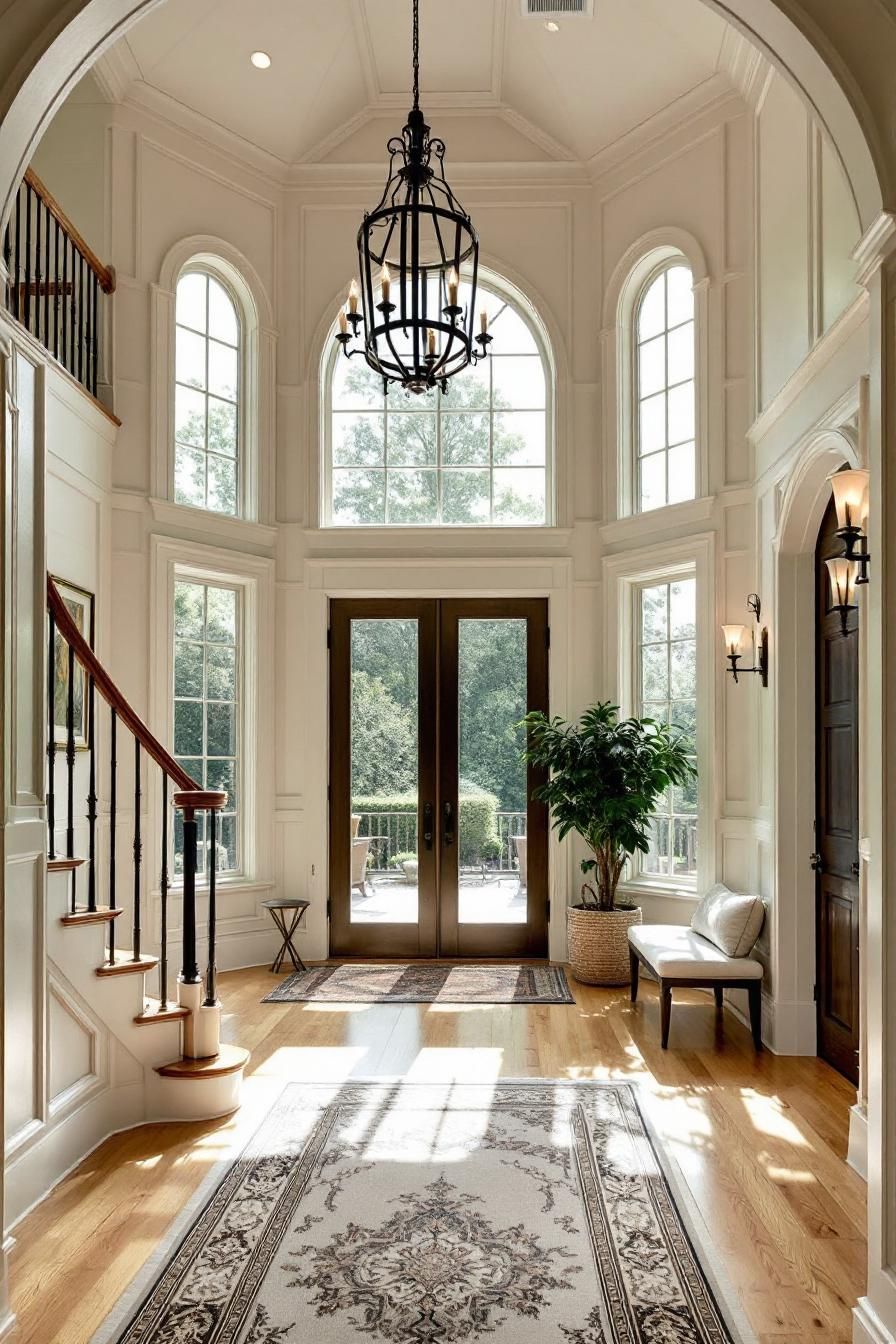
point(517, 1213)
point(424, 982)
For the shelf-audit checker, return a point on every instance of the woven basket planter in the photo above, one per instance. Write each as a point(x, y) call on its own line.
point(598, 944)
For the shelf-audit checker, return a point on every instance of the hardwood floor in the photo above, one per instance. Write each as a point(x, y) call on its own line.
point(761, 1141)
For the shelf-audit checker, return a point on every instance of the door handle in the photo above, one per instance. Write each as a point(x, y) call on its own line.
point(815, 862)
point(448, 835)
point(427, 825)
point(855, 870)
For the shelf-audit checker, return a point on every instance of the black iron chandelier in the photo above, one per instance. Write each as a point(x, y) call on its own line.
point(411, 247)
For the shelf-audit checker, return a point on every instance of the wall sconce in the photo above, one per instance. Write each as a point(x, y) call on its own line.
point(844, 574)
point(851, 503)
point(736, 637)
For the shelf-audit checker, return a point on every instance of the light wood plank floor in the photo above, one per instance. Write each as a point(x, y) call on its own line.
point(761, 1140)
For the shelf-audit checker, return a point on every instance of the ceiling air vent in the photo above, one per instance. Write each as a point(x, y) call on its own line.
point(550, 9)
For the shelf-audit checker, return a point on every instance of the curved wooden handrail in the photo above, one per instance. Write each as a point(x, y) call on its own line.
point(113, 696)
point(104, 274)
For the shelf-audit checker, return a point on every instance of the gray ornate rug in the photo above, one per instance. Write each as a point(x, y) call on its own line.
point(516, 1213)
point(424, 982)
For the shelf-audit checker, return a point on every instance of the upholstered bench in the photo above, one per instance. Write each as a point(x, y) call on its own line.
point(712, 954)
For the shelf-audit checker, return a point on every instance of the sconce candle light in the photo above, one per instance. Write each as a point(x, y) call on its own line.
point(735, 637)
point(851, 503)
point(844, 575)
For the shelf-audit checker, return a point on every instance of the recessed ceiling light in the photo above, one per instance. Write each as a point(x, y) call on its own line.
point(551, 26)
point(261, 60)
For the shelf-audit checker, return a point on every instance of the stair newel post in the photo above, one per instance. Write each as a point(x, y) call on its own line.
point(91, 797)
point(190, 966)
point(138, 847)
point(163, 895)
point(51, 735)
point(113, 808)
point(210, 995)
point(70, 758)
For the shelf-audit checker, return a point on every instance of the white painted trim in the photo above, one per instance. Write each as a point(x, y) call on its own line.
point(217, 527)
point(867, 1327)
point(857, 1152)
point(623, 575)
point(254, 576)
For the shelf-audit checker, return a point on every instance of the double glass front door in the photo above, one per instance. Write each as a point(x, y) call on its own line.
point(436, 848)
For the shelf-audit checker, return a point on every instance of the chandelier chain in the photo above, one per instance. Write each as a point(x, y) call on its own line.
point(416, 54)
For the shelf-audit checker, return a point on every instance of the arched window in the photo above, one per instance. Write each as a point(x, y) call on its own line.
point(208, 397)
point(664, 388)
point(478, 455)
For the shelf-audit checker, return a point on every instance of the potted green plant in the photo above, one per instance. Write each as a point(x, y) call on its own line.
point(605, 777)
point(407, 862)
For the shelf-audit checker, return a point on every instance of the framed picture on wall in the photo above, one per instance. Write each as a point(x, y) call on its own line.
point(80, 604)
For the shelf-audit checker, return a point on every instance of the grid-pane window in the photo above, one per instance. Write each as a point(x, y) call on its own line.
point(476, 455)
point(207, 711)
point(206, 395)
point(667, 691)
point(665, 390)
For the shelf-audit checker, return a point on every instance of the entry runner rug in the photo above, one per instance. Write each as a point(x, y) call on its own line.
point(424, 982)
point(514, 1213)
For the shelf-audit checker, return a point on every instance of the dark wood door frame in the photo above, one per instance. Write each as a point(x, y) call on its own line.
point(437, 932)
point(837, 919)
point(492, 940)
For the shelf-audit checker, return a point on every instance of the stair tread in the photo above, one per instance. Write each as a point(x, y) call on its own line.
point(229, 1059)
point(103, 914)
point(125, 964)
point(63, 865)
point(153, 1012)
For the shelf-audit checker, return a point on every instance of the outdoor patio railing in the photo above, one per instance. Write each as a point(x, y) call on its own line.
point(392, 833)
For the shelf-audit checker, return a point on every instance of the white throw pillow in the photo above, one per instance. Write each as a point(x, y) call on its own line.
point(730, 922)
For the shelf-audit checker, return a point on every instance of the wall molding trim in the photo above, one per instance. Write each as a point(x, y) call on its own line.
point(868, 1328)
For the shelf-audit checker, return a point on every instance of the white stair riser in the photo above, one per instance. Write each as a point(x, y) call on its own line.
point(193, 1099)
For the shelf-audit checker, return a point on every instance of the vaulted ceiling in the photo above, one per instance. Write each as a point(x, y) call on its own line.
point(339, 77)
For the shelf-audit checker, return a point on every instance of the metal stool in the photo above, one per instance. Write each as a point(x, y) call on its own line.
point(277, 909)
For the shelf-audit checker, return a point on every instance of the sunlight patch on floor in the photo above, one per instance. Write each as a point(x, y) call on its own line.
point(766, 1117)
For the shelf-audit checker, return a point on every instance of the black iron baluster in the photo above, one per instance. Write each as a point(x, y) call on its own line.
point(56, 292)
point(70, 757)
point(95, 302)
point(138, 848)
point(51, 736)
point(81, 327)
point(91, 798)
point(7, 261)
point(210, 999)
point(113, 804)
point(17, 307)
point(66, 308)
point(47, 269)
point(190, 969)
point(163, 892)
point(28, 196)
point(38, 216)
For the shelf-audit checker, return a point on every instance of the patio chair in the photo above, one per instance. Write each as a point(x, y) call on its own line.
point(520, 842)
point(360, 853)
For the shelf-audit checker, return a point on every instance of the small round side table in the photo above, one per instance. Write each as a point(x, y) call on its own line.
point(279, 909)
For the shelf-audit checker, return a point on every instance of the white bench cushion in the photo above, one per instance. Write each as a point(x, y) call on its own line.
point(675, 951)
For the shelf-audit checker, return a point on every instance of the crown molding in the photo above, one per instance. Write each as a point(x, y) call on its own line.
point(359, 178)
point(115, 71)
point(553, 148)
point(714, 95)
point(875, 245)
point(744, 65)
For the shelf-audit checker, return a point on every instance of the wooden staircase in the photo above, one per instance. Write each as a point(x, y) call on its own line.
point(189, 1074)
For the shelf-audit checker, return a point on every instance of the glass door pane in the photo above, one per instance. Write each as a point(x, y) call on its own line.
point(492, 792)
point(384, 771)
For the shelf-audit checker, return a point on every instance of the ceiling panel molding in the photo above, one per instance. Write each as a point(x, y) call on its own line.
point(363, 178)
point(115, 71)
point(744, 64)
point(552, 147)
point(677, 118)
point(499, 48)
point(364, 39)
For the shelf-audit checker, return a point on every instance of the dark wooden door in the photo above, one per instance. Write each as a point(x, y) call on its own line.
point(836, 820)
point(425, 699)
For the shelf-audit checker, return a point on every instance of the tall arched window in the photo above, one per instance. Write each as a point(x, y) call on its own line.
point(665, 403)
point(478, 455)
point(208, 394)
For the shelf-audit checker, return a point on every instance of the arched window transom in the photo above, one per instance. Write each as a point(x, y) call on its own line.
point(207, 395)
point(665, 391)
point(478, 455)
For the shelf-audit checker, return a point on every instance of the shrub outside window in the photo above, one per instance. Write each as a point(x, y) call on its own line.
point(665, 414)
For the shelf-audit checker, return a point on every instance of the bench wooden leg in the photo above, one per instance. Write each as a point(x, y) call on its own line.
point(755, 993)
point(636, 971)
point(665, 1013)
point(720, 996)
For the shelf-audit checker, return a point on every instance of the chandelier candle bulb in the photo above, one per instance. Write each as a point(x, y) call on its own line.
point(343, 323)
point(431, 343)
point(386, 282)
point(453, 284)
point(483, 322)
point(354, 293)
